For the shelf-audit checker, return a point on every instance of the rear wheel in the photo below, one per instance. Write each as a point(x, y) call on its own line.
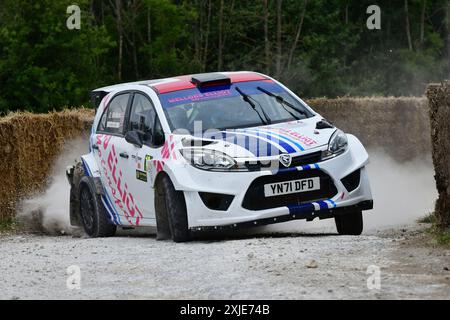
point(171, 213)
point(93, 215)
point(350, 223)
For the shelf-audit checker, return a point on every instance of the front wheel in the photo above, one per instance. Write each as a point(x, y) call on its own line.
point(350, 223)
point(92, 212)
point(171, 213)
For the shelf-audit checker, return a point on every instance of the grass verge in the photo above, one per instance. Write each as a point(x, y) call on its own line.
point(429, 218)
point(442, 237)
point(9, 225)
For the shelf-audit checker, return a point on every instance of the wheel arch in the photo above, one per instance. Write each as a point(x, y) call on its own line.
point(90, 165)
point(159, 177)
point(170, 174)
point(81, 176)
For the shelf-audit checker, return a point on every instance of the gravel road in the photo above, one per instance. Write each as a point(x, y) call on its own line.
point(262, 265)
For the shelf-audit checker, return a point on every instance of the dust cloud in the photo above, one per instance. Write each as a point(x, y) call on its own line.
point(48, 212)
point(402, 192)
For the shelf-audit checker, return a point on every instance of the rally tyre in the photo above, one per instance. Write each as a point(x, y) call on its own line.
point(93, 215)
point(171, 212)
point(350, 223)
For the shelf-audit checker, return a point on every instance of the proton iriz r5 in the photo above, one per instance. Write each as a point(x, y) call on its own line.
point(211, 152)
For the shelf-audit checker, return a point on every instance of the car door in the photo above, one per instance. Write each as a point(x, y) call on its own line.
point(109, 145)
point(143, 120)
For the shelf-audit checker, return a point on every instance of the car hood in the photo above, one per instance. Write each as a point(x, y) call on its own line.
point(294, 137)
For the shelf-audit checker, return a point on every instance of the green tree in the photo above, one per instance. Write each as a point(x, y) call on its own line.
point(43, 65)
point(317, 47)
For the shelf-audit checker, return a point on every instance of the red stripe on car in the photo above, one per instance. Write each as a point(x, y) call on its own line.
point(184, 82)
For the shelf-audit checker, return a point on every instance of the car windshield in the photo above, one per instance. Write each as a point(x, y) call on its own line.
point(239, 105)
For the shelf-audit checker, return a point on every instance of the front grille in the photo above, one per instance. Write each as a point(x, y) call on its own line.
point(296, 162)
point(255, 200)
point(306, 159)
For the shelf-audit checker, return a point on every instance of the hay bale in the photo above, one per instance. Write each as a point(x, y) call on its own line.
point(29, 143)
point(439, 106)
point(399, 126)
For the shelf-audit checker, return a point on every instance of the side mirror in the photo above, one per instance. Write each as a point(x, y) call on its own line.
point(134, 137)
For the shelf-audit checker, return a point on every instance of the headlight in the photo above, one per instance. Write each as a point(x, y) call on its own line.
point(208, 159)
point(337, 145)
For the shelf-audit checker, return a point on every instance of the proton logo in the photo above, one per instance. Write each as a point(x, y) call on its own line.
point(285, 159)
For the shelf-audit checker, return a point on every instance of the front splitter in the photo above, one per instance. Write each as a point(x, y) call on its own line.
point(306, 215)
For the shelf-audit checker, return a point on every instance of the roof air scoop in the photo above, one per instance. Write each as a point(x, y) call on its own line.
point(210, 79)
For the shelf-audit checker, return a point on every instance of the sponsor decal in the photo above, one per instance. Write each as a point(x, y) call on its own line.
point(137, 161)
point(113, 124)
point(200, 96)
point(148, 163)
point(141, 175)
point(305, 140)
point(168, 149)
point(179, 94)
point(113, 181)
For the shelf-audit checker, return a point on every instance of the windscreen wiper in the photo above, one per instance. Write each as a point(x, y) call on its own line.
point(248, 99)
point(284, 103)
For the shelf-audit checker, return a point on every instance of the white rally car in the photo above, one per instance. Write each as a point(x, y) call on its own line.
point(214, 151)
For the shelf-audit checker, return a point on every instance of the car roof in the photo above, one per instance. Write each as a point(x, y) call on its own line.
point(183, 82)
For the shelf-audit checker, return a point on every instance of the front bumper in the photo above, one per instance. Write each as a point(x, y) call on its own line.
point(307, 215)
point(192, 181)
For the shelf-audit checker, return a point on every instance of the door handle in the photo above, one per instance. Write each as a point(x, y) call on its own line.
point(95, 147)
point(124, 155)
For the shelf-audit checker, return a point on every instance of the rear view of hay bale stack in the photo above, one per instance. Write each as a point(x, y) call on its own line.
point(439, 103)
point(398, 126)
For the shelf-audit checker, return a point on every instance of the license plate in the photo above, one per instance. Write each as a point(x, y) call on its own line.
point(293, 186)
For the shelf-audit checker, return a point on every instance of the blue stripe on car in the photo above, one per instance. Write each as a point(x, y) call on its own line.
point(301, 208)
point(86, 168)
point(89, 173)
point(334, 203)
point(112, 208)
point(322, 204)
point(284, 137)
point(299, 168)
point(259, 148)
point(108, 209)
point(269, 136)
point(309, 207)
point(270, 146)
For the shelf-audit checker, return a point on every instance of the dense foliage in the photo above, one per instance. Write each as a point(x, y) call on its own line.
point(318, 47)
